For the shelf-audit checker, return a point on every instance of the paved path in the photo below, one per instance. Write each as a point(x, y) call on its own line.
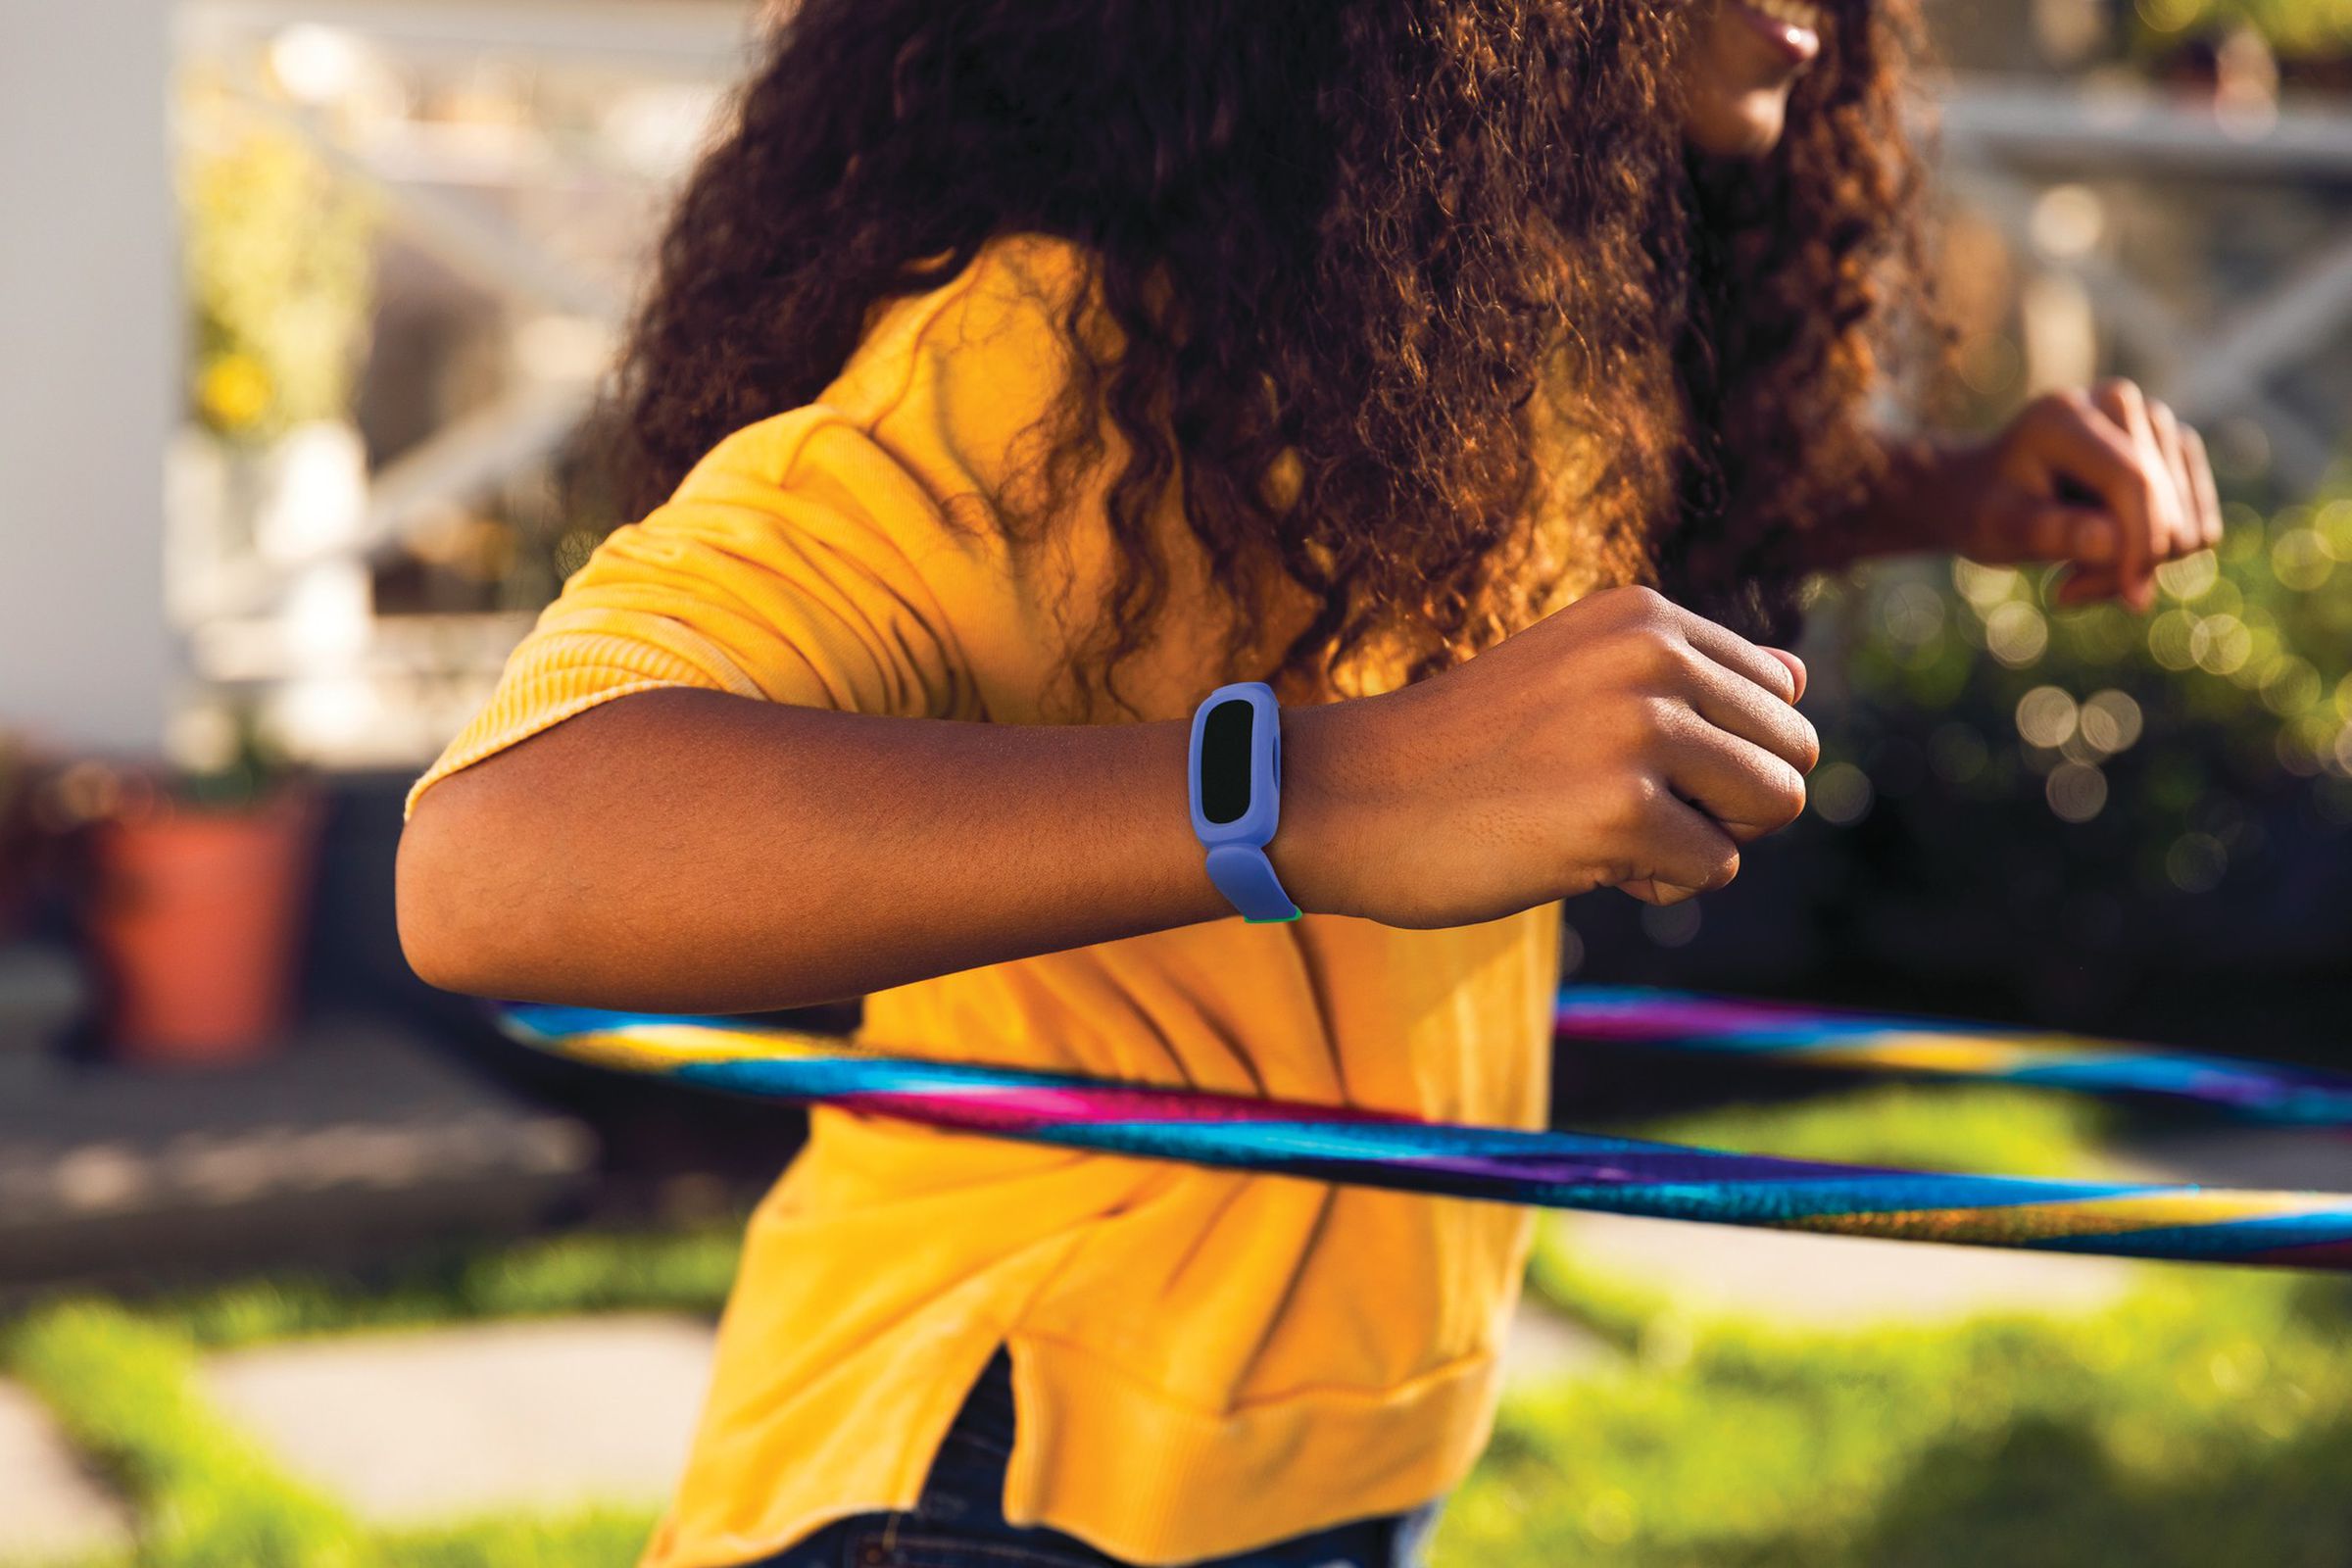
point(434, 1425)
point(1543, 1345)
point(49, 1506)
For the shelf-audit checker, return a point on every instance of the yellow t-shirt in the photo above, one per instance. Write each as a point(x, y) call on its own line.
point(1203, 1360)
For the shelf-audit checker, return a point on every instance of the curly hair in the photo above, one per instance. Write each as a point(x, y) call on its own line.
point(1445, 267)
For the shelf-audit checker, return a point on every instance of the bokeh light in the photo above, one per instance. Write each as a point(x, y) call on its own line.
point(2190, 578)
point(2076, 791)
point(2016, 633)
point(2291, 685)
point(2168, 639)
point(1673, 925)
point(2047, 717)
point(1912, 614)
point(2196, 862)
point(2169, 16)
point(2301, 559)
point(2219, 644)
point(2111, 721)
point(1839, 793)
point(1984, 586)
point(2068, 222)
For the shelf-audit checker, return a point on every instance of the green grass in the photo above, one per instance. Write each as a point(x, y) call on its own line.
point(686, 1271)
point(1977, 1130)
point(609, 1538)
point(2207, 1419)
point(122, 1381)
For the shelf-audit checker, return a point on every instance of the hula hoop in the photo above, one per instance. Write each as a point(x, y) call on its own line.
point(1567, 1169)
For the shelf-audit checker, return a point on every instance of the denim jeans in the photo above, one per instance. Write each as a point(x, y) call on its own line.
point(959, 1521)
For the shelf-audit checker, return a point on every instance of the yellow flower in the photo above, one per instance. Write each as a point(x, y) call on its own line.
point(233, 391)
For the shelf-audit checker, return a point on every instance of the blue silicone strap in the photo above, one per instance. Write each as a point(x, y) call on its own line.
point(1244, 875)
point(1237, 849)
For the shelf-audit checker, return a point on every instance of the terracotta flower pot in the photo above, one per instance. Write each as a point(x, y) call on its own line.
point(196, 920)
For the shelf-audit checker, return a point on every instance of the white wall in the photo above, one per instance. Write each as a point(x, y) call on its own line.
point(89, 343)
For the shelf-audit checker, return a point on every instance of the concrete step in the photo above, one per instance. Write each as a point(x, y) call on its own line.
point(361, 1137)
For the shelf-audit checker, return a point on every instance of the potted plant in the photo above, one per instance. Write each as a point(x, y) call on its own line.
point(199, 888)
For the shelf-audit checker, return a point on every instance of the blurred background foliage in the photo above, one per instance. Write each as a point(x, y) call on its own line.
point(279, 260)
point(2147, 788)
point(2290, 27)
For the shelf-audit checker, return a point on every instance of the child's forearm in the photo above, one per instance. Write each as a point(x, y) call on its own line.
point(689, 851)
point(1914, 503)
point(694, 852)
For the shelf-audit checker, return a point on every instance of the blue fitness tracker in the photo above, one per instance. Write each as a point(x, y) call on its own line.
point(1236, 796)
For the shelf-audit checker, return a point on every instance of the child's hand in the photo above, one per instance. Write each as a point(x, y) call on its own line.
point(2108, 480)
point(1622, 742)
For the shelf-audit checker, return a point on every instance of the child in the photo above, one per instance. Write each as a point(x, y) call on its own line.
point(1016, 373)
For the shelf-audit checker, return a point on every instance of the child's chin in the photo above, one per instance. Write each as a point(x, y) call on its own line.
point(1749, 126)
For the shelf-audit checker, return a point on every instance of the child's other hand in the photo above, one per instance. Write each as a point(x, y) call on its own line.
point(2108, 480)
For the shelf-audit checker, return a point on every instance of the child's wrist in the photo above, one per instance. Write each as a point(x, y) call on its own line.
point(1321, 838)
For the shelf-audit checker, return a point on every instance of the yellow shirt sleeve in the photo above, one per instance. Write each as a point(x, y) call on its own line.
point(786, 567)
point(851, 553)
